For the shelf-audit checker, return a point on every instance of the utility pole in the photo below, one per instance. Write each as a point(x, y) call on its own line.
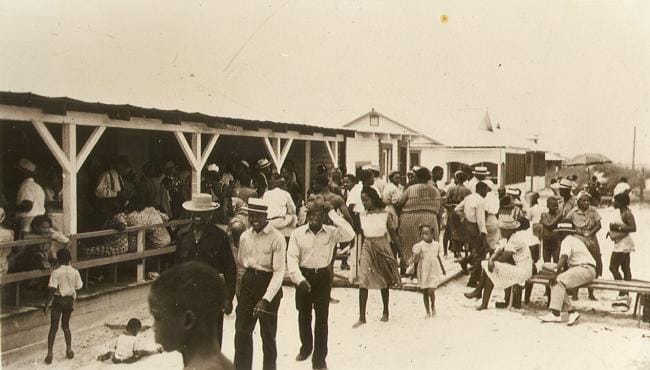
point(633, 148)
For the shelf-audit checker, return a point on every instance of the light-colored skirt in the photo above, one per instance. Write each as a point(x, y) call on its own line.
point(493, 232)
point(377, 266)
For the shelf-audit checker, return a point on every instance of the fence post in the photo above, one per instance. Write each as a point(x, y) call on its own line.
point(73, 247)
point(140, 248)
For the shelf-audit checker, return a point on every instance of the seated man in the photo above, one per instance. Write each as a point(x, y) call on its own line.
point(281, 209)
point(576, 267)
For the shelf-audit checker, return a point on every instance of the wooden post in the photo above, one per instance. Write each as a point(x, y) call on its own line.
point(307, 166)
point(196, 170)
point(74, 245)
point(140, 248)
point(408, 159)
point(70, 180)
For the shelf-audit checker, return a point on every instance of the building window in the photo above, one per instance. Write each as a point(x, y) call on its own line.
point(415, 159)
point(374, 118)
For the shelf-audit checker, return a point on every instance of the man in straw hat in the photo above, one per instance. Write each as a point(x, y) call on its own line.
point(568, 201)
point(311, 250)
point(202, 241)
point(262, 252)
point(576, 267)
point(262, 175)
point(30, 199)
point(480, 175)
point(497, 271)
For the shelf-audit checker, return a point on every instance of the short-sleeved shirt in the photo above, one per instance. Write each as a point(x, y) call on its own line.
point(30, 190)
point(66, 280)
point(576, 251)
point(279, 202)
point(547, 232)
point(584, 220)
point(126, 345)
point(377, 223)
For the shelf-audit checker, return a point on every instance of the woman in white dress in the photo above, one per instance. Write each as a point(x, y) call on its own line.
point(510, 264)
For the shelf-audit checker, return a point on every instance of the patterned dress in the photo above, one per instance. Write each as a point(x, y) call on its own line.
point(505, 274)
point(156, 238)
point(420, 204)
point(6, 235)
point(584, 221)
point(111, 245)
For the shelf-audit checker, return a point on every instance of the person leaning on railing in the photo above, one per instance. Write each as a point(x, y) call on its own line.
point(6, 235)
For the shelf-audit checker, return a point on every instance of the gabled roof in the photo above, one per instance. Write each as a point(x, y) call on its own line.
point(60, 105)
point(387, 125)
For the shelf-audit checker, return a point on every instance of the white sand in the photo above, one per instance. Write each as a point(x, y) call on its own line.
point(457, 338)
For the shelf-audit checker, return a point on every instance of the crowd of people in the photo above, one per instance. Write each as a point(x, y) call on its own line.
point(268, 229)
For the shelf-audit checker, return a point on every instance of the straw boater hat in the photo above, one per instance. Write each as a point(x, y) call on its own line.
point(393, 172)
point(200, 203)
point(366, 167)
point(481, 170)
point(213, 167)
point(26, 165)
point(566, 184)
point(506, 222)
point(565, 227)
point(245, 164)
point(256, 205)
point(262, 163)
point(513, 191)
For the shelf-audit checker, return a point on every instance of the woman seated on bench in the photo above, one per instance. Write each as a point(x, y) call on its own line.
point(497, 271)
point(576, 267)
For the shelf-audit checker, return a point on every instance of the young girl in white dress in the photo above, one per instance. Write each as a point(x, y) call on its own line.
point(430, 270)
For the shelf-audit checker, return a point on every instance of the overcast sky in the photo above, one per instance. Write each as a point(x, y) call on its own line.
point(577, 72)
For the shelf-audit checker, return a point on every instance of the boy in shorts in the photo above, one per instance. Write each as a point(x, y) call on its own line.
point(185, 302)
point(62, 292)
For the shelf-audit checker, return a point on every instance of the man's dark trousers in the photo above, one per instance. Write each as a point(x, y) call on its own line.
point(253, 287)
point(317, 299)
point(478, 250)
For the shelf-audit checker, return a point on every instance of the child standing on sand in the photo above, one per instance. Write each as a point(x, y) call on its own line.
point(430, 270)
point(619, 232)
point(63, 286)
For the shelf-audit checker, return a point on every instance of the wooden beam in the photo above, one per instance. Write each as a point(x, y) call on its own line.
point(187, 150)
point(53, 146)
point(271, 151)
point(285, 152)
point(70, 180)
point(336, 153)
point(13, 113)
point(196, 172)
point(307, 183)
point(208, 149)
point(330, 152)
point(89, 145)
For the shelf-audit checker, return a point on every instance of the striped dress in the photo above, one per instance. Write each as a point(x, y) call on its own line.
point(419, 204)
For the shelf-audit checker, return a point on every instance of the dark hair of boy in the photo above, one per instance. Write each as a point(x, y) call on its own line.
point(38, 220)
point(133, 326)
point(63, 256)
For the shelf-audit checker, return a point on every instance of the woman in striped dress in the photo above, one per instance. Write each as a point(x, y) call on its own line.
point(419, 205)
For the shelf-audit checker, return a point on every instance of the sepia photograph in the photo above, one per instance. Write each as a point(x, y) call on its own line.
point(344, 184)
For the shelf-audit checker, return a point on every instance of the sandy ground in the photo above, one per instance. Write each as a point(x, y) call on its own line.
point(458, 337)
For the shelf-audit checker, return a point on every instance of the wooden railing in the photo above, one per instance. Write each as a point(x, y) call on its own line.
point(141, 254)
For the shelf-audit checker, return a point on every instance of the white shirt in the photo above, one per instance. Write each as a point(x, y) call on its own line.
point(492, 203)
point(354, 197)
point(33, 192)
point(279, 202)
point(535, 213)
point(379, 185)
point(126, 345)
point(109, 185)
point(264, 251)
point(473, 207)
point(621, 187)
point(310, 250)
point(576, 251)
point(392, 193)
point(66, 280)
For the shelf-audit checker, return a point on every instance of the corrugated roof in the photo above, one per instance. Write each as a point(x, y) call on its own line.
point(60, 105)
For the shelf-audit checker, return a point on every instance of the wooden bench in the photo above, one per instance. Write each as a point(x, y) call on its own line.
point(633, 286)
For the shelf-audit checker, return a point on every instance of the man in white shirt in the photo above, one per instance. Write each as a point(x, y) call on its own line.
point(473, 210)
point(30, 199)
point(622, 187)
point(576, 267)
point(311, 249)
point(262, 252)
point(282, 210)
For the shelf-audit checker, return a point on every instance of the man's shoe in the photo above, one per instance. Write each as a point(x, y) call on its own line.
point(322, 366)
point(48, 359)
point(474, 294)
point(302, 356)
point(501, 304)
point(472, 284)
point(549, 317)
point(573, 318)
